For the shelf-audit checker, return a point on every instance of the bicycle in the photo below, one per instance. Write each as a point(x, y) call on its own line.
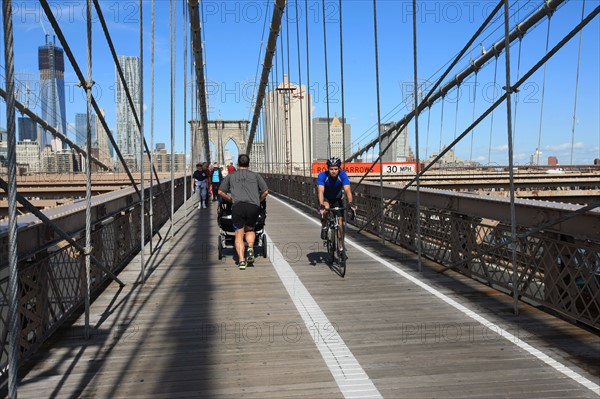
point(334, 237)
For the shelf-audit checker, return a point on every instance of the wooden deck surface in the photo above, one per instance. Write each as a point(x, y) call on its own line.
point(199, 327)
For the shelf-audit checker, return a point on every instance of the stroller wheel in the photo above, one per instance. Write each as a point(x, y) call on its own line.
point(264, 246)
point(220, 248)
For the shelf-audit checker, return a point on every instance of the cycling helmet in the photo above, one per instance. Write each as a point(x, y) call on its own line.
point(334, 161)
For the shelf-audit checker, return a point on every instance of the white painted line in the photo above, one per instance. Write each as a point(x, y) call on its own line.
point(342, 364)
point(475, 316)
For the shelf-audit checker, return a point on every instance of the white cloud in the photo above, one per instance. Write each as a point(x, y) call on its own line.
point(564, 146)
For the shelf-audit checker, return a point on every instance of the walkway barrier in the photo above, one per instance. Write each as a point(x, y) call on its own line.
point(558, 267)
point(52, 272)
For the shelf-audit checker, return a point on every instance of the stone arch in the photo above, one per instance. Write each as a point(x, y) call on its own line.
point(219, 133)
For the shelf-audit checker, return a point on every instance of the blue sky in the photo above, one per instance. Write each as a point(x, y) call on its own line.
point(233, 32)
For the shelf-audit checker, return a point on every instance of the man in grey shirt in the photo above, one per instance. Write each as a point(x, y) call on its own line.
point(246, 190)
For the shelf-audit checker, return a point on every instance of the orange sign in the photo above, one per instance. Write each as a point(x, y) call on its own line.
point(360, 168)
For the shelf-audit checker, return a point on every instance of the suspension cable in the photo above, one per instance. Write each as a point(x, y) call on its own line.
point(13, 280)
point(516, 102)
point(416, 110)
point(342, 83)
point(441, 124)
point(309, 111)
point(492, 116)
point(456, 110)
point(172, 44)
point(152, 129)
point(288, 93)
point(576, 86)
point(300, 96)
point(538, 151)
point(427, 135)
point(326, 81)
point(473, 118)
point(184, 65)
point(513, 219)
point(378, 114)
point(88, 170)
point(142, 140)
point(500, 100)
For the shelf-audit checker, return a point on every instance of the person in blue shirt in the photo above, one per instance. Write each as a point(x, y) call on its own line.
point(217, 178)
point(332, 185)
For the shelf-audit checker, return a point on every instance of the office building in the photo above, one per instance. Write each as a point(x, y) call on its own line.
point(399, 150)
point(27, 129)
point(286, 122)
point(81, 130)
point(339, 135)
point(52, 94)
point(128, 135)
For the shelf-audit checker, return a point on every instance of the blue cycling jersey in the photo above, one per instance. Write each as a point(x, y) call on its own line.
point(334, 187)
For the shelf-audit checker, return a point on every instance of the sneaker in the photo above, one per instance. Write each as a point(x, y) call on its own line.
point(203, 205)
point(242, 265)
point(199, 206)
point(250, 257)
point(323, 233)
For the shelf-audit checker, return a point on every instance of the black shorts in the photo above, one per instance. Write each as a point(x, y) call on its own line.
point(336, 203)
point(244, 214)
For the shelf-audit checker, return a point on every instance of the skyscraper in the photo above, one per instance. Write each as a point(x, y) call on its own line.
point(52, 93)
point(286, 111)
point(399, 150)
point(128, 135)
point(27, 129)
point(104, 153)
point(340, 136)
point(81, 130)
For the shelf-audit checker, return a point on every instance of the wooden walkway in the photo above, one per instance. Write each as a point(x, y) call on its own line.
point(291, 327)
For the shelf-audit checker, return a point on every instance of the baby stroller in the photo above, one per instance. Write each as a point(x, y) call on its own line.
point(227, 232)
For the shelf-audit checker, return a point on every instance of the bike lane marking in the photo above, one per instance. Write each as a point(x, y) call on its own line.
point(350, 377)
point(470, 313)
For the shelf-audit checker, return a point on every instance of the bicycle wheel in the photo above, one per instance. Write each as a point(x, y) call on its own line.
point(341, 256)
point(331, 242)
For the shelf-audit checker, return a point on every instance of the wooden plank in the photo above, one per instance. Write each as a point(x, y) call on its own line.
point(199, 327)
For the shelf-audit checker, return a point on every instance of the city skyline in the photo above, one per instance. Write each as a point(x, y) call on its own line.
point(231, 85)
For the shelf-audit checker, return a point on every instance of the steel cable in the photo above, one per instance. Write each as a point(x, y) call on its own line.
point(13, 279)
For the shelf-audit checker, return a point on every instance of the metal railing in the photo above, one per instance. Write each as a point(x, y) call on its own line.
point(51, 271)
point(558, 267)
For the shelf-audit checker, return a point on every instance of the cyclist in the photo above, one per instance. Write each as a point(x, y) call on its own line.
point(332, 184)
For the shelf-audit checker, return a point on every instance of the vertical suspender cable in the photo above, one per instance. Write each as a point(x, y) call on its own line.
point(456, 110)
point(88, 169)
point(309, 111)
point(492, 116)
point(172, 73)
point(300, 96)
point(277, 114)
point(378, 118)
point(152, 130)
point(441, 125)
point(342, 84)
point(326, 82)
point(513, 219)
point(13, 280)
point(284, 136)
point(185, 48)
point(516, 97)
point(416, 110)
point(427, 135)
point(142, 183)
point(576, 85)
point(538, 150)
point(474, 102)
point(288, 92)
